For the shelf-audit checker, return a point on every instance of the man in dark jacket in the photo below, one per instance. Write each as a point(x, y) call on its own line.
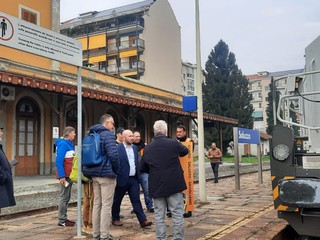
point(6, 182)
point(128, 181)
point(104, 178)
point(166, 180)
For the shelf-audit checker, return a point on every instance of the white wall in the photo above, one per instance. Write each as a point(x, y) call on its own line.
point(162, 53)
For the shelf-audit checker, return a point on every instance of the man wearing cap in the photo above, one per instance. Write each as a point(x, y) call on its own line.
point(6, 182)
point(119, 137)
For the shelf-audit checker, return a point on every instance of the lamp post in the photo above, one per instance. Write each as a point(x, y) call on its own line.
point(202, 172)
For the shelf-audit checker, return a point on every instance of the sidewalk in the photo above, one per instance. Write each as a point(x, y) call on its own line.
point(227, 214)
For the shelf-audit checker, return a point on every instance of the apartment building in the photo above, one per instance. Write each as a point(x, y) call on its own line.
point(259, 87)
point(188, 78)
point(38, 95)
point(140, 41)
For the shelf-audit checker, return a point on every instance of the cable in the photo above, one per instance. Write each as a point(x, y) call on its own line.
point(310, 100)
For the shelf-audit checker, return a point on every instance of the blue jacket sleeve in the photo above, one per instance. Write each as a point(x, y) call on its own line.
point(112, 151)
point(61, 153)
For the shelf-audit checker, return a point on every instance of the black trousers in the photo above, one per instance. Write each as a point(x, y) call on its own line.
point(215, 169)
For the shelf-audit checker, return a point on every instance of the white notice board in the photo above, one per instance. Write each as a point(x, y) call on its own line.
point(25, 36)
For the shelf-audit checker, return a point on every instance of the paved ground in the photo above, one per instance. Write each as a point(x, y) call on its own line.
point(227, 214)
point(44, 190)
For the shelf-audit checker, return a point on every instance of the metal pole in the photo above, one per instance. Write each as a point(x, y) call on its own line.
point(202, 172)
point(259, 163)
point(236, 158)
point(79, 133)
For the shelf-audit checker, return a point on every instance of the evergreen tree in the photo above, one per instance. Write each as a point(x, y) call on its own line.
point(270, 118)
point(225, 93)
point(293, 118)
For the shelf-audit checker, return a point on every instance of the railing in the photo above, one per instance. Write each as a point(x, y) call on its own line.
point(127, 67)
point(137, 43)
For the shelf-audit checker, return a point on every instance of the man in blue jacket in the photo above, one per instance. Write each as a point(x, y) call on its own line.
point(128, 181)
point(166, 180)
point(104, 178)
point(64, 159)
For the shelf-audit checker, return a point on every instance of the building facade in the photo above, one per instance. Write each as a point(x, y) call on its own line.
point(188, 78)
point(38, 97)
point(259, 88)
point(134, 41)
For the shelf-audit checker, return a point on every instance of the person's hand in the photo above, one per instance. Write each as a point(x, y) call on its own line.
point(62, 181)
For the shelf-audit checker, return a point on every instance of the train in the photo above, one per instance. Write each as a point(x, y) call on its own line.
point(295, 152)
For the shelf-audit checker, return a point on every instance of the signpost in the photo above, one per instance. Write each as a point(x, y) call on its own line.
point(249, 136)
point(25, 36)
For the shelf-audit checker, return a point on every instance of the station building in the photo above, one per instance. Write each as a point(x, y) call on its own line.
point(39, 95)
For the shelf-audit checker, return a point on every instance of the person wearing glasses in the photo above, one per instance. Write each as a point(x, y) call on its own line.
point(104, 178)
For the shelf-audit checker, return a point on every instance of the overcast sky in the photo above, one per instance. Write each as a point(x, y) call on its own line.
point(264, 35)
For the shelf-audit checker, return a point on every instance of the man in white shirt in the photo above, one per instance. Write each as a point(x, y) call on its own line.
point(128, 181)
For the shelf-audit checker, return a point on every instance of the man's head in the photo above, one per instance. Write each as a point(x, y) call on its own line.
point(160, 126)
point(107, 121)
point(1, 133)
point(127, 137)
point(181, 131)
point(213, 145)
point(136, 137)
point(69, 133)
point(119, 136)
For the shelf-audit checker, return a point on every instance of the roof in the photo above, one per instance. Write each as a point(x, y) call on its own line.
point(265, 136)
point(95, 16)
point(268, 75)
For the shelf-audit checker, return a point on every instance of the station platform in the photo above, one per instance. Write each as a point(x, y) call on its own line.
point(227, 214)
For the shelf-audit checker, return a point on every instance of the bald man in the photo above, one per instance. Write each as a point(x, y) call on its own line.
point(128, 181)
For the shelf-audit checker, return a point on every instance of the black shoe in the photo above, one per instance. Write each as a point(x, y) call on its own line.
point(216, 181)
point(187, 214)
point(150, 210)
point(169, 215)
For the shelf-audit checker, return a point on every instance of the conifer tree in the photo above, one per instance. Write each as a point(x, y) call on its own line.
point(225, 93)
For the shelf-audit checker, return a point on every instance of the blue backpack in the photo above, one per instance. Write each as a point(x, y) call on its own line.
point(91, 150)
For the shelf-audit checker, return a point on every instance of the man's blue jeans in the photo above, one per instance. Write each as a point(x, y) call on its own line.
point(144, 179)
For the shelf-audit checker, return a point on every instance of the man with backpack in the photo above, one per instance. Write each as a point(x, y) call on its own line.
point(104, 177)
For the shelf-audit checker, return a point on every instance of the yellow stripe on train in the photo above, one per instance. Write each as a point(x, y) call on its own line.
point(275, 191)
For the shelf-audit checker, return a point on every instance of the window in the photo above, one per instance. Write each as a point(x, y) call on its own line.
point(29, 16)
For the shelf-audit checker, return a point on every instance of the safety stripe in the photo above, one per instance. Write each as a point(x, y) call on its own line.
point(276, 200)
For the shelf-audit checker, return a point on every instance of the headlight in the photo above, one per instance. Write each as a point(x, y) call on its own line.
point(281, 152)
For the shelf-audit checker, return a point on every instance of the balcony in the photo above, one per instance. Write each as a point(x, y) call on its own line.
point(126, 25)
point(255, 89)
point(137, 66)
point(126, 45)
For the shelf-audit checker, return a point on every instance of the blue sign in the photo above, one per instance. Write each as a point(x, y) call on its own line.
point(189, 103)
point(248, 136)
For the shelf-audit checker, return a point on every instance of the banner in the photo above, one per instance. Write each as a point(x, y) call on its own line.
point(187, 167)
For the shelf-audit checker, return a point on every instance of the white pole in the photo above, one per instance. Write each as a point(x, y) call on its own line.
point(202, 172)
point(79, 133)
point(236, 158)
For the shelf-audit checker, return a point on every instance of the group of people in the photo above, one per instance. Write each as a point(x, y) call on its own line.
point(128, 163)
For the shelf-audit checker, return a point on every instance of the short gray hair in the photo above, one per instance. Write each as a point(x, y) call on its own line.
point(160, 126)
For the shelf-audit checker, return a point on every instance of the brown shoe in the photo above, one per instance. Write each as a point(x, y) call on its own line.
point(145, 223)
point(117, 223)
